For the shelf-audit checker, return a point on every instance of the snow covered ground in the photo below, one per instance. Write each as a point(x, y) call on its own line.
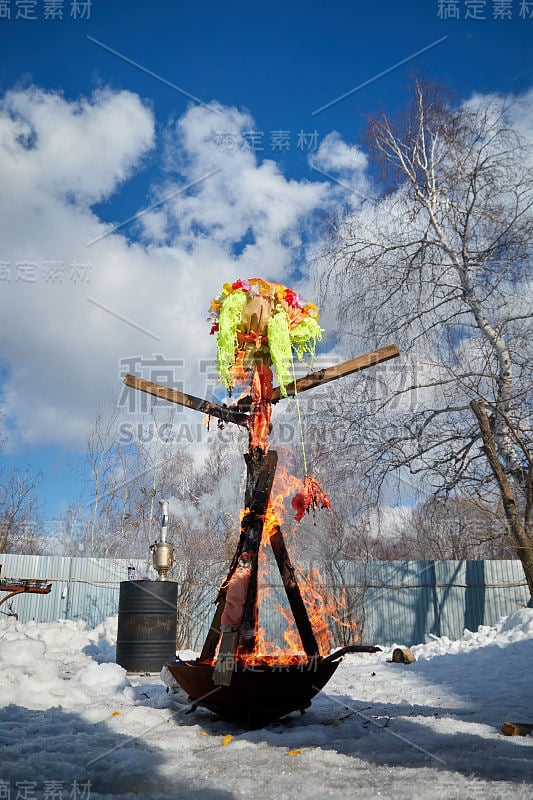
point(74, 725)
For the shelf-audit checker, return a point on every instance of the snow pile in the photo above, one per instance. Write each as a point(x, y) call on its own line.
point(36, 659)
point(73, 721)
point(515, 628)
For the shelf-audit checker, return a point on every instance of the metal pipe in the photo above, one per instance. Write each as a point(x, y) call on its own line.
point(164, 519)
point(162, 551)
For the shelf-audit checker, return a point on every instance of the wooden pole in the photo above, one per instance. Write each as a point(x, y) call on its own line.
point(188, 400)
point(253, 524)
point(292, 589)
point(260, 476)
point(338, 371)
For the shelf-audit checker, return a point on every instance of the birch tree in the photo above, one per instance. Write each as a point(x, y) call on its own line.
point(440, 262)
point(20, 518)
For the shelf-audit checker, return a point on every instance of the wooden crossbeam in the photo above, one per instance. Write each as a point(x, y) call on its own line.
point(237, 413)
point(188, 400)
point(338, 371)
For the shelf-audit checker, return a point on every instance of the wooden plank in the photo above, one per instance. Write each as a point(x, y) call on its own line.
point(214, 632)
point(213, 635)
point(187, 400)
point(338, 371)
point(292, 589)
point(225, 666)
point(261, 469)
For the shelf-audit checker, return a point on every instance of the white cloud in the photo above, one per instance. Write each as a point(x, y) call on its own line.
point(521, 114)
point(517, 110)
point(57, 157)
point(334, 155)
point(241, 198)
point(78, 149)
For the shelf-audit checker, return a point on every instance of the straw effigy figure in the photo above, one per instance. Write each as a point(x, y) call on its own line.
point(259, 324)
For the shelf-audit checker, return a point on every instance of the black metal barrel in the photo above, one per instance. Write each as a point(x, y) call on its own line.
point(146, 636)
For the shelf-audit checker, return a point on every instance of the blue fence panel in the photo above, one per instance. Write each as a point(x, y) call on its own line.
point(82, 588)
point(394, 602)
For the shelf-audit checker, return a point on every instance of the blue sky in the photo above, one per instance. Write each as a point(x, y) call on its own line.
point(150, 73)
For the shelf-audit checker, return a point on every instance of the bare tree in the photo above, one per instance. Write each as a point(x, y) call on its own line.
point(128, 474)
point(19, 511)
point(204, 528)
point(453, 528)
point(441, 263)
point(101, 459)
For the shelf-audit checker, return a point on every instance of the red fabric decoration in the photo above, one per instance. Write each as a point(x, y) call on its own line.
point(293, 299)
point(261, 392)
point(311, 496)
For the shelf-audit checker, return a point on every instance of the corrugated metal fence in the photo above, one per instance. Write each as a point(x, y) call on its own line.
point(82, 588)
point(404, 601)
point(391, 601)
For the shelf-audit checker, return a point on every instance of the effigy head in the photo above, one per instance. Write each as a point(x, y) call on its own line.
point(261, 321)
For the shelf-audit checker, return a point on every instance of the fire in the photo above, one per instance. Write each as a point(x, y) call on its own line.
point(321, 608)
point(319, 604)
point(285, 484)
point(324, 608)
point(268, 654)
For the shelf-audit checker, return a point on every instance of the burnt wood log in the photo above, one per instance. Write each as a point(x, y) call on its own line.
point(517, 728)
point(261, 469)
point(264, 466)
point(213, 635)
point(351, 648)
point(403, 655)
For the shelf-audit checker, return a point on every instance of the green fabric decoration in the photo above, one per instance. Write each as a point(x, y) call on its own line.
point(279, 342)
point(228, 322)
point(281, 339)
point(304, 337)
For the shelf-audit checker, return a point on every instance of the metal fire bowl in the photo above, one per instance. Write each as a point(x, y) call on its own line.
point(258, 695)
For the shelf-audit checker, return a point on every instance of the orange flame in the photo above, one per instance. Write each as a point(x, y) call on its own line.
point(284, 485)
point(319, 604)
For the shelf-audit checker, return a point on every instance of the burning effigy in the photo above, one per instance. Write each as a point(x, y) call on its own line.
point(261, 326)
